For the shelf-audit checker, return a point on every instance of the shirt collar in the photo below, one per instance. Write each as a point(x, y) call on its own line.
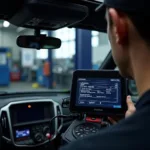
point(144, 100)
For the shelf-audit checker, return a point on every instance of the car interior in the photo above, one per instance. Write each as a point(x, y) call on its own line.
point(52, 118)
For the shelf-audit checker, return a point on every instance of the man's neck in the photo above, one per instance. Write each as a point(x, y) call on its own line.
point(141, 69)
point(143, 83)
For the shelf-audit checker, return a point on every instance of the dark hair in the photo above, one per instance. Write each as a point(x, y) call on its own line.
point(141, 23)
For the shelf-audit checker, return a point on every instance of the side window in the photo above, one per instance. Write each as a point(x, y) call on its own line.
point(133, 88)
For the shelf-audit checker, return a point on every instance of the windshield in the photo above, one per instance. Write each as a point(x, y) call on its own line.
point(43, 70)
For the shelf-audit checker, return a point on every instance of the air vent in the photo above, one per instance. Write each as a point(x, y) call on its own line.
point(5, 125)
point(59, 119)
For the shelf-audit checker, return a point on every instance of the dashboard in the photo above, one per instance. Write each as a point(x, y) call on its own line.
point(26, 123)
point(25, 120)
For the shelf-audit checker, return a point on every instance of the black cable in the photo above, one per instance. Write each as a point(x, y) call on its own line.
point(73, 116)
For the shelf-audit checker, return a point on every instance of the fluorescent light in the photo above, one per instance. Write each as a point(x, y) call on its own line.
point(6, 24)
point(44, 32)
point(42, 54)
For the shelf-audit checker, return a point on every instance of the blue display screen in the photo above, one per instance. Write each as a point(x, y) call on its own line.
point(99, 92)
point(22, 133)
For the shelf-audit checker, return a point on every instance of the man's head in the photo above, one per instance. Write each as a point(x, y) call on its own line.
point(117, 29)
point(128, 27)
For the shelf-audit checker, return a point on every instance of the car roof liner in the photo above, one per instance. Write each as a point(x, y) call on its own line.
point(50, 15)
point(53, 14)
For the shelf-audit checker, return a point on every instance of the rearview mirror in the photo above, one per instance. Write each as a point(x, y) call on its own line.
point(38, 42)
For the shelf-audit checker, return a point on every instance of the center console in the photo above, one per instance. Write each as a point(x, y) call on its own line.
point(31, 134)
point(27, 123)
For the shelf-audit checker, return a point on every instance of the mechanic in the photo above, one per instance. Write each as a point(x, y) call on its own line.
point(129, 34)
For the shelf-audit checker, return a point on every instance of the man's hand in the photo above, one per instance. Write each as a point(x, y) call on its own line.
point(131, 110)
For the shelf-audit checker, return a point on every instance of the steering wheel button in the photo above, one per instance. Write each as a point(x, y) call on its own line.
point(93, 131)
point(87, 129)
point(81, 135)
point(78, 134)
point(81, 130)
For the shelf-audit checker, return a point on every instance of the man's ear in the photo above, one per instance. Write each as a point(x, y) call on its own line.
point(119, 26)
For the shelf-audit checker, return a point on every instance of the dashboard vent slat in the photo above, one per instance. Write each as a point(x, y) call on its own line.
point(5, 125)
point(59, 113)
